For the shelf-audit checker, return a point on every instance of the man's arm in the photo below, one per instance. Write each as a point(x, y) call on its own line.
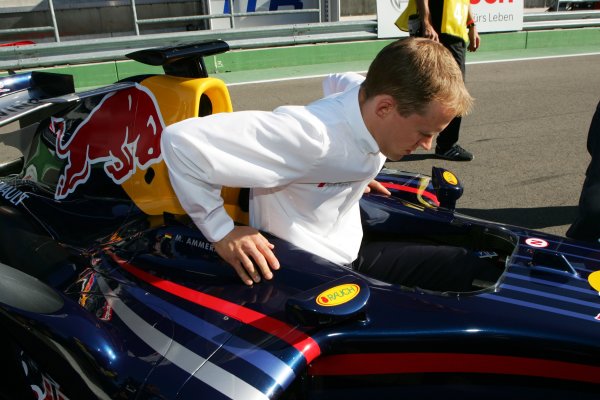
point(426, 26)
point(473, 33)
point(232, 149)
point(249, 253)
point(244, 248)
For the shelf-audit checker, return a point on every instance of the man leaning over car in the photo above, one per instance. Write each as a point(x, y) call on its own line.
point(308, 166)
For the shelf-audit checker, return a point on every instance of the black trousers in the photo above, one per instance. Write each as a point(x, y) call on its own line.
point(587, 223)
point(449, 136)
point(432, 267)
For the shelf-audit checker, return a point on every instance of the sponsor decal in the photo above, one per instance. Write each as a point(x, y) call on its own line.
point(12, 194)
point(43, 387)
point(334, 184)
point(338, 295)
point(450, 178)
point(594, 281)
point(122, 133)
point(48, 390)
point(194, 242)
point(536, 242)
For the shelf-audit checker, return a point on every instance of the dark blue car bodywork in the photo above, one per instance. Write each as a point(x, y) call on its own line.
point(99, 299)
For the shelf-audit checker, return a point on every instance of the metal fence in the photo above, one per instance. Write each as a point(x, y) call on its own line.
point(322, 13)
point(50, 28)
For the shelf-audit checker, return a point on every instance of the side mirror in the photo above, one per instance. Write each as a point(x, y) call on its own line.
point(447, 187)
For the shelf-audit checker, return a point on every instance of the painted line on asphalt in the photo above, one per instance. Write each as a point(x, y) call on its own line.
point(533, 58)
point(499, 60)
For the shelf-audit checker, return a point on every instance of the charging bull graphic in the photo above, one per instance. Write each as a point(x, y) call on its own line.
point(122, 132)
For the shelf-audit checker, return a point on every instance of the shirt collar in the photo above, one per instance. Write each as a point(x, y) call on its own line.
point(351, 107)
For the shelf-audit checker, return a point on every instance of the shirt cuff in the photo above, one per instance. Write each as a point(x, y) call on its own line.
point(217, 225)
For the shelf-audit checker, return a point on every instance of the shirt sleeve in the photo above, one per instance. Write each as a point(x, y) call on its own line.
point(340, 82)
point(241, 149)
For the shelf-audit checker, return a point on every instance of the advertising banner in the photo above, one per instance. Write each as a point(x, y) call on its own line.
point(489, 15)
point(218, 7)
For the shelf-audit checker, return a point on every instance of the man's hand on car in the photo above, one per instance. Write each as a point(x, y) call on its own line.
point(249, 253)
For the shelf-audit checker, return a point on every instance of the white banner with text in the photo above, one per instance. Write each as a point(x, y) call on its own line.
point(489, 15)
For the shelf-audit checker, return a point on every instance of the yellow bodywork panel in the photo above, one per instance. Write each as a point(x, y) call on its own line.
point(179, 99)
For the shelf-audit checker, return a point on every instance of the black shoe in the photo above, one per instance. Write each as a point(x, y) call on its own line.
point(454, 153)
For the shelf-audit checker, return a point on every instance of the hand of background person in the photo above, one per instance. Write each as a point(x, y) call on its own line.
point(377, 187)
point(473, 39)
point(428, 31)
point(249, 253)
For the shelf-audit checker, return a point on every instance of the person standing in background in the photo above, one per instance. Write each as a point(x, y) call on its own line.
point(587, 223)
point(451, 23)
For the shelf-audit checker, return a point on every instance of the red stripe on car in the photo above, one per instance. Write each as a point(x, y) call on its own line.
point(408, 363)
point(302, 342)
point(409, 189)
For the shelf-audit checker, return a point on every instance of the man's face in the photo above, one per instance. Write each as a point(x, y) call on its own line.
point(401, 135)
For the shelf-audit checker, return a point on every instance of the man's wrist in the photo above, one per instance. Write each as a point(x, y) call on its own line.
point(470, 24)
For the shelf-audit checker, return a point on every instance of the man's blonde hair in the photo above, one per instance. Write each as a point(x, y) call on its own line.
point(415, 72)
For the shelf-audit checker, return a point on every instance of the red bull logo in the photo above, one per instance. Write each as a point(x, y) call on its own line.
point(122, 133)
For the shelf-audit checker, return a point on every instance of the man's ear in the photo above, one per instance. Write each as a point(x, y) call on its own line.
point(385, 104)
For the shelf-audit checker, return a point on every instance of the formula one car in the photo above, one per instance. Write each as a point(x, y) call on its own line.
point(108, 291)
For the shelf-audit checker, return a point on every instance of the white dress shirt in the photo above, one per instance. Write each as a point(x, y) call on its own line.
point(307, 167)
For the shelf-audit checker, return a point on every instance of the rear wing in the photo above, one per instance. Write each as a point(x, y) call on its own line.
point(22, 95)
point(185, 61)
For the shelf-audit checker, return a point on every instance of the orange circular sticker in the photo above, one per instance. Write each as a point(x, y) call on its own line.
point(594, 280)
point(450, 178)
point(338, 295)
